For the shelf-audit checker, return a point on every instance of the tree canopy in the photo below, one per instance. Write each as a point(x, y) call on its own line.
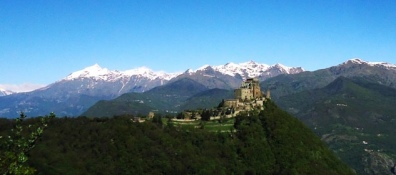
point(262, 142)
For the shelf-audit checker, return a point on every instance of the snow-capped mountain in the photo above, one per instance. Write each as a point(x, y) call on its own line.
point(230, 75)
point(252, 69)
point(98, 73)
point(95, 80)
point(4, 92)
point(375, 64)
point(79, 90)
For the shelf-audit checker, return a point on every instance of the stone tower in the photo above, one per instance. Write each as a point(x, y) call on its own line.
point(268, 95)
point(250, 89)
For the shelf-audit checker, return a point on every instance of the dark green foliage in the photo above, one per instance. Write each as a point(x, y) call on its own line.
point(221, 104)
point(296, 147)
point(205, 116)
point(17, 143)
point(119, 146)
point(266, 142)
point(157, 119)
point(253, 147)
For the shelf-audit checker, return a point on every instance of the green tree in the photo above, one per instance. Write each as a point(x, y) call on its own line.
point(253, 147)
point(205, 116)
point(157, 119)
point(15, 146)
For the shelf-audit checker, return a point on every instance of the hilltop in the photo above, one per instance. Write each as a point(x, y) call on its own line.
point(261, 142)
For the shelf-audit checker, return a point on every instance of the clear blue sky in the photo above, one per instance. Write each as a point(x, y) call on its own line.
point(43, 41)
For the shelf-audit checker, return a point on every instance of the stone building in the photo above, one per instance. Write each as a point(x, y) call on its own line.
point(249, 96)
point(249, 90)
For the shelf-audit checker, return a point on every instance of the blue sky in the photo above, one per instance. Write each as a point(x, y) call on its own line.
point(43, 41)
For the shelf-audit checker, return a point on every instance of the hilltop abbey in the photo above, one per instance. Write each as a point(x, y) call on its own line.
point(247, 97)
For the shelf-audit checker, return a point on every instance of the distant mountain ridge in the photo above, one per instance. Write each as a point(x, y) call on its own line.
point(79, 90)
point(378, 72)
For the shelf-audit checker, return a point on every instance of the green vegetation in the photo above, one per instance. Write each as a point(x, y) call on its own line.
point(355, 117)
point(260, 142)
point(19, 141)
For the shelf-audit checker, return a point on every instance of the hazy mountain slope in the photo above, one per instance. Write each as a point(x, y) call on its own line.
point(165, 98)
point(207, 99)
point(212, 79)
point(382, 73)
point(355, 116)
point(12, 105)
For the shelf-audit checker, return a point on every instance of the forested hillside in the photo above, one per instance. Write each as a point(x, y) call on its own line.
point(262, 142)
point(355, 117)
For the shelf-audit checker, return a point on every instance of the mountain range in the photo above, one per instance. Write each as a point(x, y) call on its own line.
point(350, 106)
point(165, 99)
point(79, 90)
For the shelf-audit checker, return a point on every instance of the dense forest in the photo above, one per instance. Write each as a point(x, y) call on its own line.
point(261, 142)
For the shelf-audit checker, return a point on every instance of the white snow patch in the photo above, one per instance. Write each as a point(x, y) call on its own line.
point(246, 69)
point(98, 73)
point(360, 61)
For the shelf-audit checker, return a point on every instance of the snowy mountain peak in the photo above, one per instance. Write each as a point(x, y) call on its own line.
point(4, 92)
point(95, 66)
point(148, 73)
point(138, 71)
point(282, 66)
point(248, 69)
point(360, 61)
point(189, 71)
point(98, 73)
point(94, 71)
point(249, 63)
point(356, 60)
point(204, 67)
